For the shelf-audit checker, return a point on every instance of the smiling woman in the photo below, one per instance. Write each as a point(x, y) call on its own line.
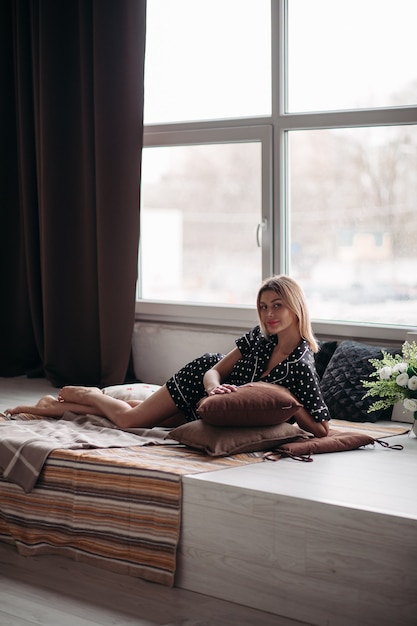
point(285, 296)
point(274, 314)
point(282, 357)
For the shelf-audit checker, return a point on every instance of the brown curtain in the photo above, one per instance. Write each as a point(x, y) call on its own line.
point(71, 105)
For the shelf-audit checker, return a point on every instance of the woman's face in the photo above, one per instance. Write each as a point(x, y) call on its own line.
point(274, 314)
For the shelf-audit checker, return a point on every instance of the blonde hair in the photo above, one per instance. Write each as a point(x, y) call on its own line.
point(293, 297)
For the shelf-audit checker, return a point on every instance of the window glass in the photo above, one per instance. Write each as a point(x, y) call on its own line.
point(351, 54)
point(201, 207)
point(346, 229)
point(207, 59)
point(353, 206)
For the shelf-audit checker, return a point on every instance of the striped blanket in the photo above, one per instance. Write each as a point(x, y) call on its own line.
point(26, 444)
point(117, 508)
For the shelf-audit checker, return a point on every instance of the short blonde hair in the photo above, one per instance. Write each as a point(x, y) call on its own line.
point(293, 297)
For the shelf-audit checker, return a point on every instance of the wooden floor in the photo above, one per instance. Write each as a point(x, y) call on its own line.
point(22, 390)
point(54, 591)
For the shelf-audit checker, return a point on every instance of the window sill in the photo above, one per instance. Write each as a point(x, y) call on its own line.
point(246, 317)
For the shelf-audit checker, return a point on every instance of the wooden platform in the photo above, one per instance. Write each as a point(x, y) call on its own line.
point(332, 542)
point(329, 543)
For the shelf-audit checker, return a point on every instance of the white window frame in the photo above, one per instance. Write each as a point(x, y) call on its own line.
point(271, 131)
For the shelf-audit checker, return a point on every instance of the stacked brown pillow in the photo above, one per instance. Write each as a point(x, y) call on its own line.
point(252, 418)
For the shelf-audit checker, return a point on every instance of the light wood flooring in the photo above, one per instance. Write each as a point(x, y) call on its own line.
point(54, 591)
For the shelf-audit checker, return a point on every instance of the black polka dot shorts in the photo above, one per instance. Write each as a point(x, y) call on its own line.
point(186, 386)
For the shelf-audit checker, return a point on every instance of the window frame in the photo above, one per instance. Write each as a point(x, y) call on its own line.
point(272, 131)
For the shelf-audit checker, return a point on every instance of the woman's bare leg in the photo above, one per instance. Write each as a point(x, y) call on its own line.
point(153, 411)
point(171, 422)
point(158, 409)
point(48, 406)
point(175, 420)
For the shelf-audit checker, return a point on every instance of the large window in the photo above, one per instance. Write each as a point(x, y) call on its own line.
point(201, 218)
point(282, 137)
point(351, 54)
point(207, 59)
point(353, 218)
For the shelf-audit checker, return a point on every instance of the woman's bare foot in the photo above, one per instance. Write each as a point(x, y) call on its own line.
point(77, 394)
point(46, 401)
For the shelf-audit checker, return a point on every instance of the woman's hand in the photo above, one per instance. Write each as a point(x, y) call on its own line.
point(222, 388)
point(212, 379)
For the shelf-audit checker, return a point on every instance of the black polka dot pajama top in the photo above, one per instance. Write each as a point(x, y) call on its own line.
point(297, 373)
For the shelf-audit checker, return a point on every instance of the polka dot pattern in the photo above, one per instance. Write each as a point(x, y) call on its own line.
point(297, 373)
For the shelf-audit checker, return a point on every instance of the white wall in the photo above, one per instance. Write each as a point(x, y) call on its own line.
point(160, 349)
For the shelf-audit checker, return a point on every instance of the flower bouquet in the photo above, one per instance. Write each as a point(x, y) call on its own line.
point(394, 380)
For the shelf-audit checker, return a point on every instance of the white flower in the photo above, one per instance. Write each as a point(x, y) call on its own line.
point(385, 372)
point(402, 380)
point(410, 404)
point(400, 367)
point(412, 383)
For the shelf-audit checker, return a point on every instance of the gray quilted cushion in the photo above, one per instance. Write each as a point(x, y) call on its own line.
point(341, 383)
point(323, 356)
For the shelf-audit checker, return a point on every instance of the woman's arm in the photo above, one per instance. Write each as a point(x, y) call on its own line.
point(306, 422)
point(213, 378)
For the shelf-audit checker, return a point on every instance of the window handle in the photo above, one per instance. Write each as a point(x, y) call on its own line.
point(261, 227)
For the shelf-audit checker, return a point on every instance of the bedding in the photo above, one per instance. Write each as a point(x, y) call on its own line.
point(223, 441)
point(26, 444)
point(341, 383)
point(254, 404)
point(323, 356)
point(116, 508)
point(119, 508)
point(336, 441)
point(133, 391)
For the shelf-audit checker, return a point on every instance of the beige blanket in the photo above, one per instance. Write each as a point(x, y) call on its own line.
point(25, 445)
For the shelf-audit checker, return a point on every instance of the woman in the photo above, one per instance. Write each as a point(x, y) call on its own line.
point(279, 351)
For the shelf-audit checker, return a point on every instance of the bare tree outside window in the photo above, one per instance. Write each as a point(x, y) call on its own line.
point(334, 184)
point(353, 224)
point(201, 206)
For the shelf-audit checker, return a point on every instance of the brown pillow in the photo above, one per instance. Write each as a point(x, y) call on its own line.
point(254, 404)
point(336, 441)
point(223, 441)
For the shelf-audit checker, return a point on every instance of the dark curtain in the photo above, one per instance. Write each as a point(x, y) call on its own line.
point(71, 98)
